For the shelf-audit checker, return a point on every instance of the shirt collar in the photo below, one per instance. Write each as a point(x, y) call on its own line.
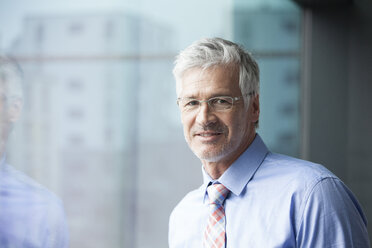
point(241, 171)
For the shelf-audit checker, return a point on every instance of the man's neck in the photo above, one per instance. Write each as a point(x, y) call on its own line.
point(2, 148)
point(216, 169)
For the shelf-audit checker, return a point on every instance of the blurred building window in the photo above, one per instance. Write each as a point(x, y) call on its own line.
point(75, 85)
point(76, 28)
point(39, 33)
point(109, 29)
point(76, 113)
point(76, 139)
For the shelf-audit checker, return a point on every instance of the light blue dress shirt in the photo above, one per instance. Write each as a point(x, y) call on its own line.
point(275, 201)
point(30, 215)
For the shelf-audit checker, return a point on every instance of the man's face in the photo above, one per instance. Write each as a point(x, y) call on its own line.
point(3, 114)
point(216, 136)
point(9, 112)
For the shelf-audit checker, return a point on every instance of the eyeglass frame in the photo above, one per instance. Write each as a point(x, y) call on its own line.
point(234, 99)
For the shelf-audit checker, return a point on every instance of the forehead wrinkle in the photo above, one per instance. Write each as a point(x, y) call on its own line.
point(198, 82)
point(206, 94)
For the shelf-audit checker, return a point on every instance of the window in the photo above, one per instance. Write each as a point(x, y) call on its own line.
point(127, 153)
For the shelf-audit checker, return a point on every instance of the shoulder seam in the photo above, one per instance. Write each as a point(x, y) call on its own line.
point(308, 194)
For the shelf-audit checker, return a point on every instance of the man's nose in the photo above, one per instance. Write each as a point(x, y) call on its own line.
point(205, 114)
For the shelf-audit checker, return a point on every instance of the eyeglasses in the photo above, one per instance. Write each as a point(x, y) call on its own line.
point(218, 103)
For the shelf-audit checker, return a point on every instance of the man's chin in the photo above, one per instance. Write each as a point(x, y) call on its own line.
point(210, 156)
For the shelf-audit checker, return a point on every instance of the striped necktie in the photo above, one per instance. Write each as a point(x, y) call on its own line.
point(215, 234)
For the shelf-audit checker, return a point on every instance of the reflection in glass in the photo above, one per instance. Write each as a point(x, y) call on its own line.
point(30, 215)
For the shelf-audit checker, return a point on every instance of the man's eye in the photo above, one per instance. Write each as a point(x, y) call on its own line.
point(220, 101)
point(192, 103)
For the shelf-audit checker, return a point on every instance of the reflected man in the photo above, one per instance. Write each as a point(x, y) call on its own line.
point(250, 197)
point(30, 215)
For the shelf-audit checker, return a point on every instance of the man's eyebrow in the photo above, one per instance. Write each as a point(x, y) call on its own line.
point(211, 96)
point(188, 97)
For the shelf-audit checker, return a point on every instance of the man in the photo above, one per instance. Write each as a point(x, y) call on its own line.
point(250, 197)
point(30, 215)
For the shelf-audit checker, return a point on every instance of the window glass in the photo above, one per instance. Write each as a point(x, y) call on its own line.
point(100, 127)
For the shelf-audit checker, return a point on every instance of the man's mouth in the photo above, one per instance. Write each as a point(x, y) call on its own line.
point(208, 134)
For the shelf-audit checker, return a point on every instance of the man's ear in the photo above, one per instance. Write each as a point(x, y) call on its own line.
point(15, 110)
point(254, 108)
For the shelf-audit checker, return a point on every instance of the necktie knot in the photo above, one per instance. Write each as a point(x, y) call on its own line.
point(217, 194)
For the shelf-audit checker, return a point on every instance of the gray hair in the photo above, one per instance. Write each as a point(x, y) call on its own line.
point(11, 79)
point(210, 52)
